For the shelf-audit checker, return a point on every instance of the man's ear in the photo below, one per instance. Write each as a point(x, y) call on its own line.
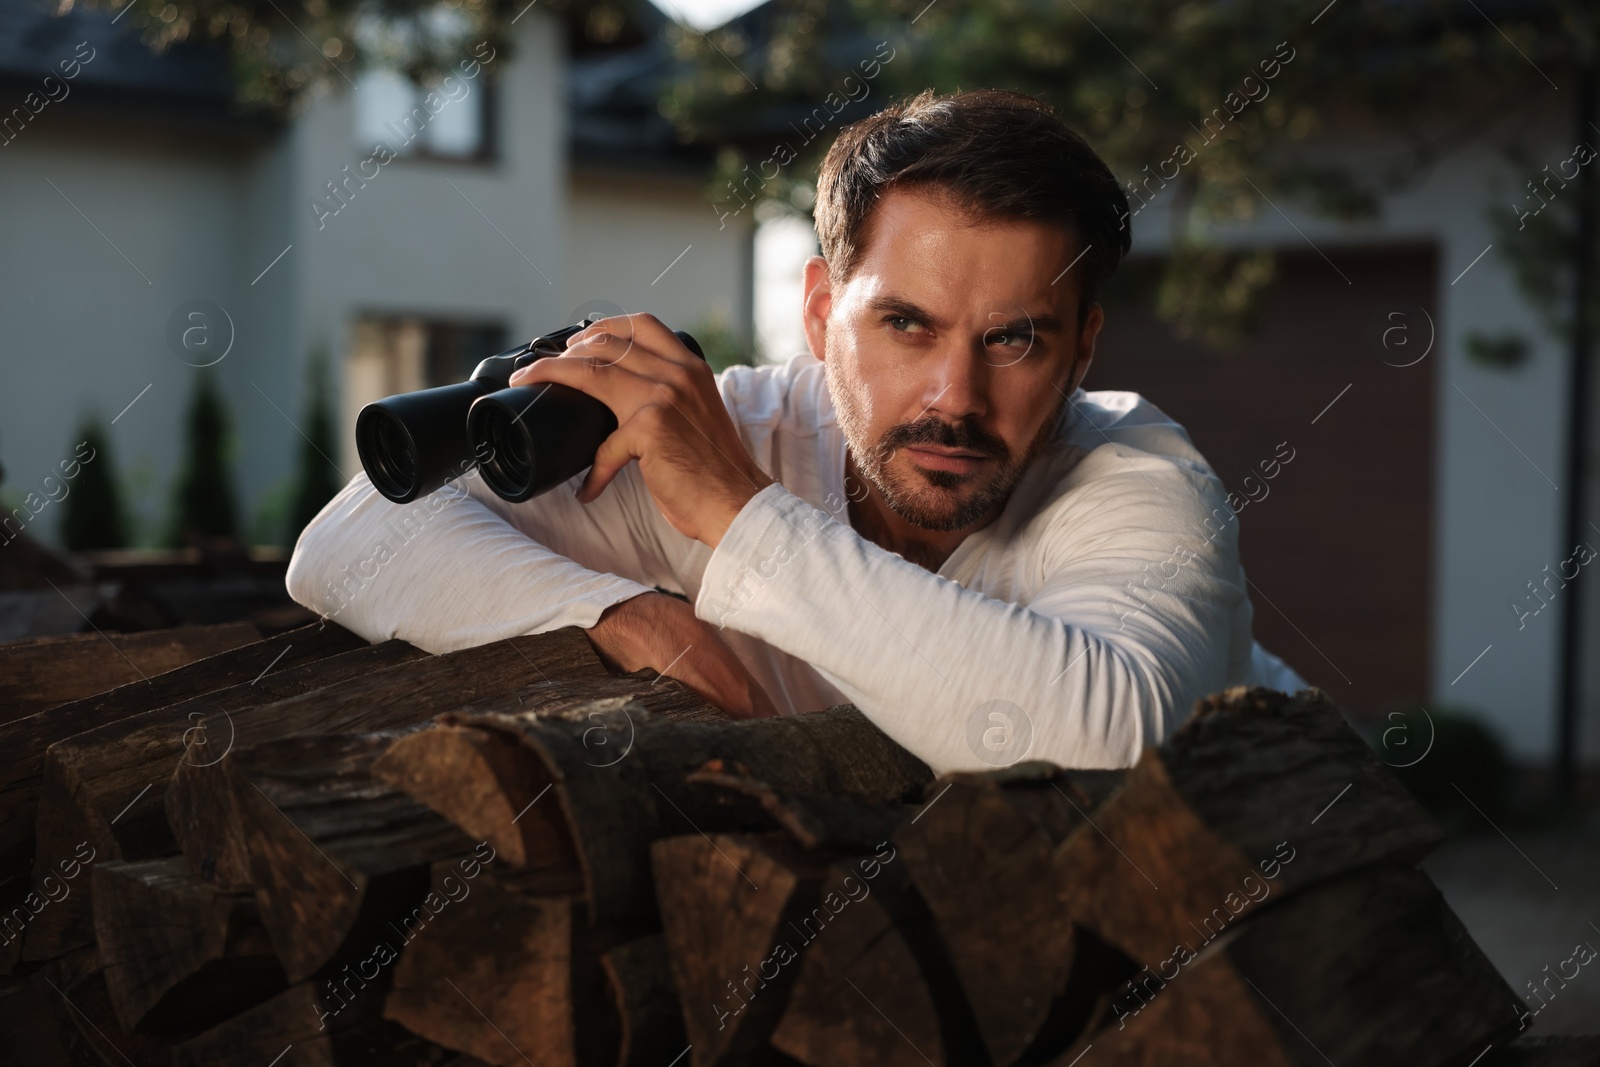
point(816, 304)
point(1086, 339)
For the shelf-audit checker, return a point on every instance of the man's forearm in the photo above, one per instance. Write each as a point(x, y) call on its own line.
point(933, 663)
point(443, 572)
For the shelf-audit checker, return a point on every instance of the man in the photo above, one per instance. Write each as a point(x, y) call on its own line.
point(926, 517)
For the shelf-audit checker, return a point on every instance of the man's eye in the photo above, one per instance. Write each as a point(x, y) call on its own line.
point(900, 323)
point(1010, 338)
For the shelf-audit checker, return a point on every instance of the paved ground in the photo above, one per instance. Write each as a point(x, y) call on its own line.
point(1529, 901)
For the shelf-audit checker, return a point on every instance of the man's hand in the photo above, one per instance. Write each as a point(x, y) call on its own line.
point(663, 633)
point(670, 418)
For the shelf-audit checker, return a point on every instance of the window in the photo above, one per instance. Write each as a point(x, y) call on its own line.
point(449, 120)
point(400, 354)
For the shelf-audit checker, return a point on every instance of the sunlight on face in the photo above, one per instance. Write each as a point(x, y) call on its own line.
point(950, 353)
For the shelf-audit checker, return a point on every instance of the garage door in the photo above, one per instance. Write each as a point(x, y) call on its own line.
point(1337, 546)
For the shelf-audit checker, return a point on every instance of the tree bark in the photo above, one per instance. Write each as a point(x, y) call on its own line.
point(45, 672)
point(29, 1033)
point(484, 780)
point(1546, 1052)
point(105, 787)
point(25, 740)
point(331, 849)
point(201, 815)
point(1371, 969)
point(613, 808)
point(1258, 794)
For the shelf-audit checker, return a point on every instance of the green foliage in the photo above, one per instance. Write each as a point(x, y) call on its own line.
point(722, 346)
point(316, 478)
point(1214, 295)
point(93, 516)
point(285, 52)
point(1501, 352)
point(270, 523)
point(203, 505)
point(1539, 240)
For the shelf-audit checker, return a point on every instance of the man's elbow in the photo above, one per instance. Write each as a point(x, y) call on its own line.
point(1152, 703)
point(311, 580)
point(305, 580)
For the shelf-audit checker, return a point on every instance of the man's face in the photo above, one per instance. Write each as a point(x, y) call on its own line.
point(949, 353)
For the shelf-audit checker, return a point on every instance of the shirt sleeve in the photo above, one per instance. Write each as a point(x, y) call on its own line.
point(461, 567)
point(1134, 617)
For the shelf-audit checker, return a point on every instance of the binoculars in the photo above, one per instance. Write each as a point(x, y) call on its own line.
point(524, 441)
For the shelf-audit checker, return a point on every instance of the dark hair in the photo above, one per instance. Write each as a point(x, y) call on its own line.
point(995, 153)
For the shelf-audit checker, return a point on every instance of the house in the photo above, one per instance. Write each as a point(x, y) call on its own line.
point(149, 231)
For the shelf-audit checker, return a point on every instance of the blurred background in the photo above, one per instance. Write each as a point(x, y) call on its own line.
point(1363, 277)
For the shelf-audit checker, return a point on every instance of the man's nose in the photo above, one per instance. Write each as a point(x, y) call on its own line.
point(958, 387)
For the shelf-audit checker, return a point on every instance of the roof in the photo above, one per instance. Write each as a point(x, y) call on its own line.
point(613, 116)
point(615, 76)
point(189, 81)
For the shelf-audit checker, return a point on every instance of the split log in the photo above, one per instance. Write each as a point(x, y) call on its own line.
point(18, 905)
point(26, 740)
point(176, 951)
point(727, 902)
point(44, 672)
point(333, 852)
point(103, 789)
point(639, 974)
point(1371, 969)
point(504, 970)
point(613, 808)
point(1257, 794)
point(200, 812)
point(982, 858)
point(817, 822)
point(1547, 1052)
point(597, 1030)
point(74, 988)
point(28, 1031)
point(488, 971)
point(484, 781)
point(297, 1022)
point(874, 987)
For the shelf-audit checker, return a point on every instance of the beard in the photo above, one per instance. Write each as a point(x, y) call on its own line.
point(942, 501)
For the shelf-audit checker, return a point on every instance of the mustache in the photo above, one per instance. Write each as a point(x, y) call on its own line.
point(933, 431)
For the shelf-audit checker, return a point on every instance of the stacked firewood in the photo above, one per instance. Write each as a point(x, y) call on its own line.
point(310, 850)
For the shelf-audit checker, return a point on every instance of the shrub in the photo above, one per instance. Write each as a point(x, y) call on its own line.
point(316, 477)
point(204, 502)
point(92, 516)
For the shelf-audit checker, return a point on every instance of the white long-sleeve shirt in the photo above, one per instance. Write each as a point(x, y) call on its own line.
point(1077, 627)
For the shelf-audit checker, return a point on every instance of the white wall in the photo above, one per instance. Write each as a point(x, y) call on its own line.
point(85, 298)
point(652, 243)
point(783, 244)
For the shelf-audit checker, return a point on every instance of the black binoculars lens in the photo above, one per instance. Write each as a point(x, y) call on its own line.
point(505, 451)
point(413, 443)
point(387, 452)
